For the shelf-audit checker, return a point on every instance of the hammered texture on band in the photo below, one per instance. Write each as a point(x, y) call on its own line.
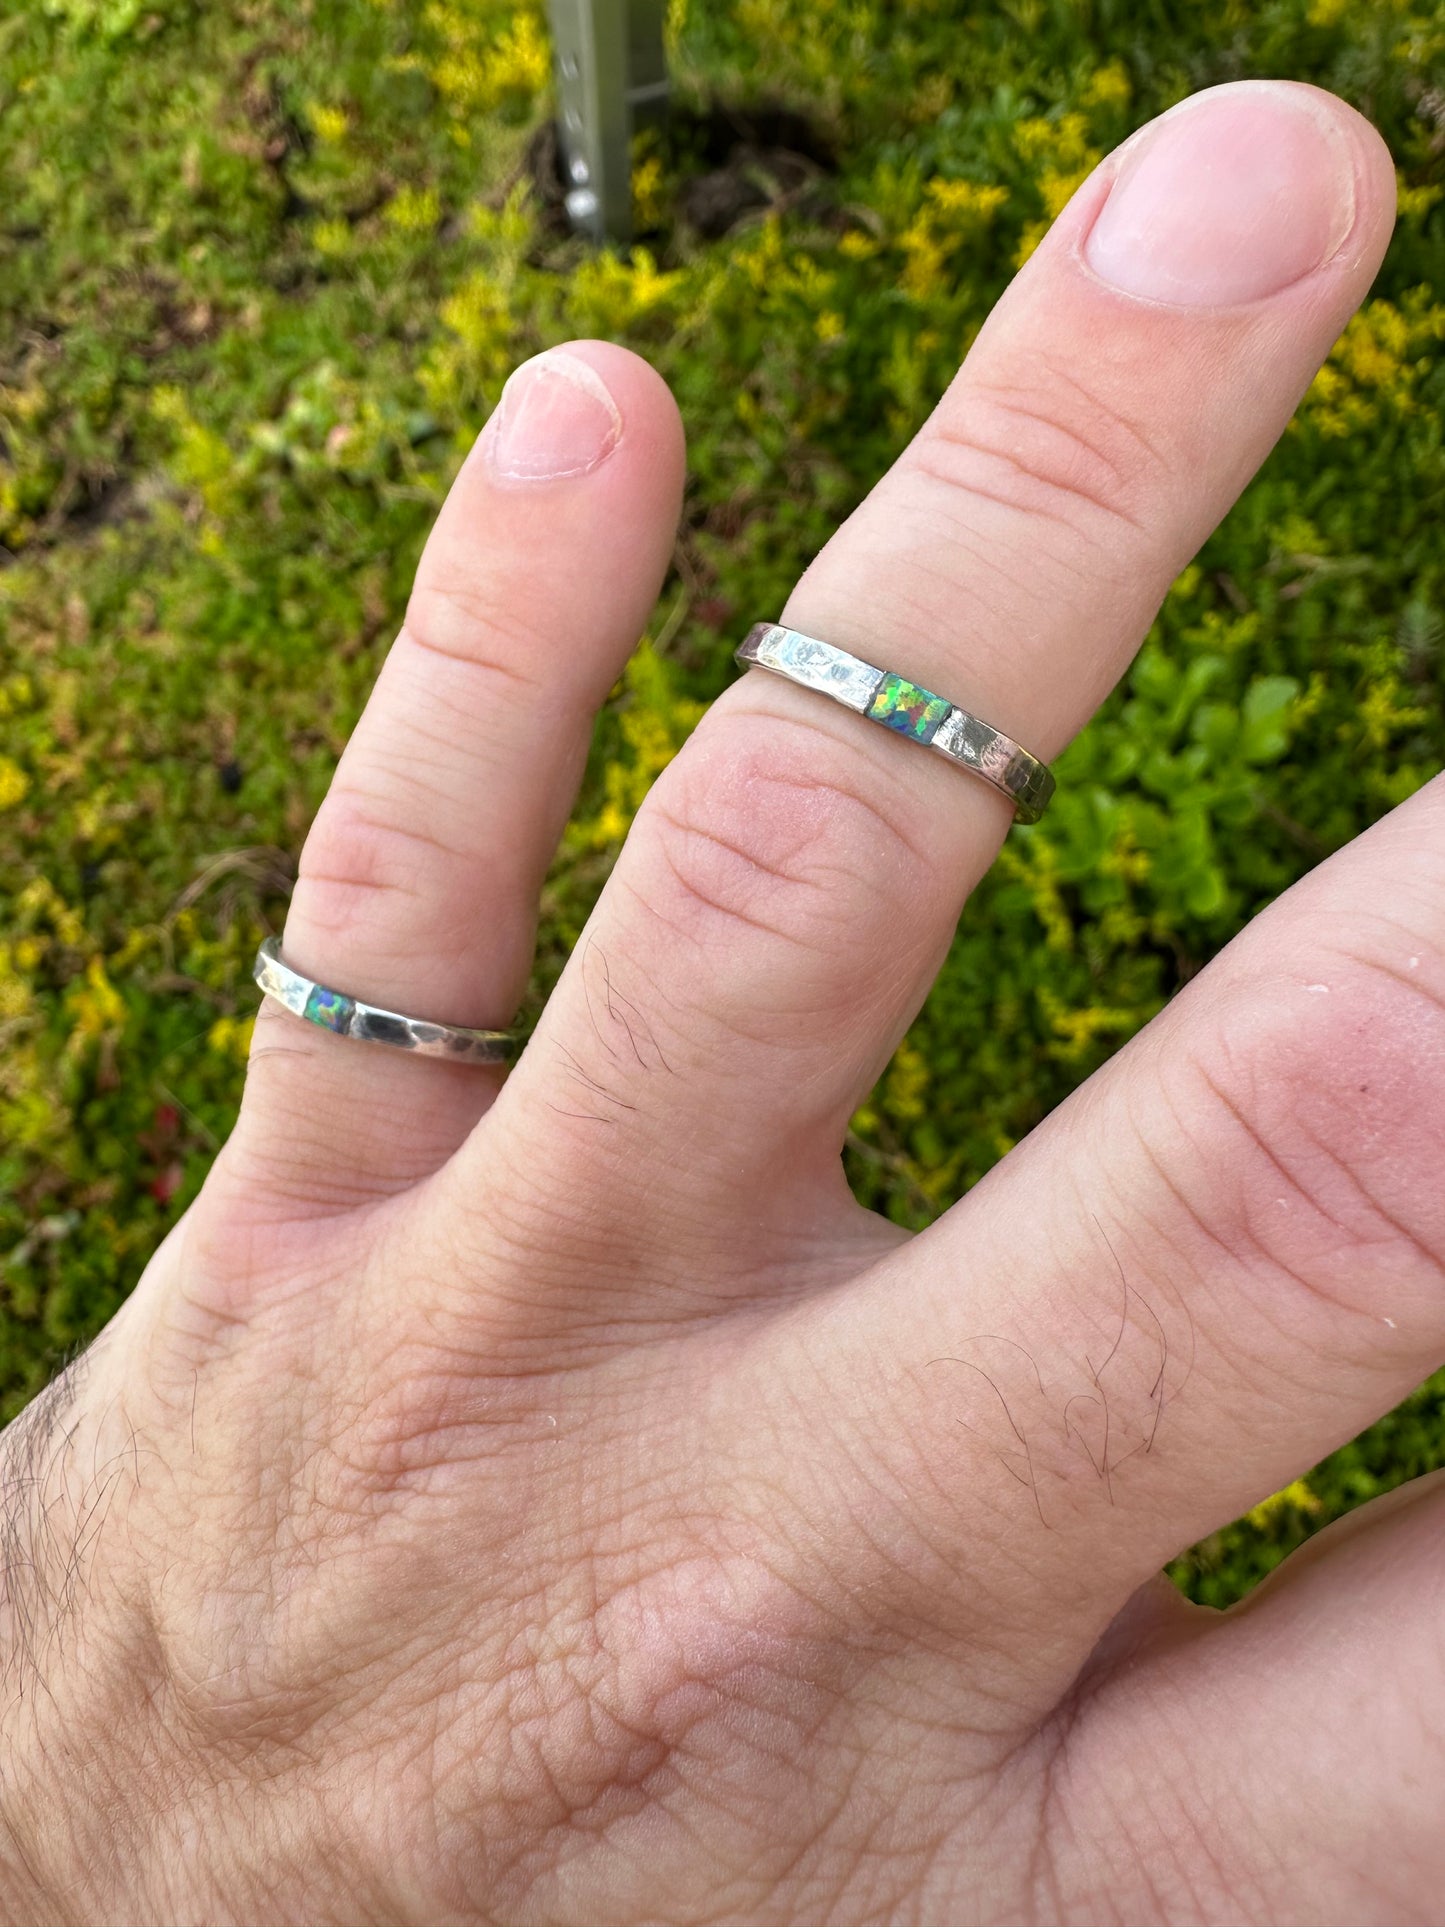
point(347, 1016)
point(917, 713)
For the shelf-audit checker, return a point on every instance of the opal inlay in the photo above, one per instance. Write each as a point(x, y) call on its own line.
point(913, 712)
point(329, 1009)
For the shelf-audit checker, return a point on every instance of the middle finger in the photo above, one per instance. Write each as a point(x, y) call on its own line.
point(792, 883)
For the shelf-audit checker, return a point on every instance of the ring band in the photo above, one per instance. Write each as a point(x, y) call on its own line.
point(903, 706)
point(349, 1017)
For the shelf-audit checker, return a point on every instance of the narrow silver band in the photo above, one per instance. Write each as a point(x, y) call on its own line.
point(348, 1017)
point(913, 712)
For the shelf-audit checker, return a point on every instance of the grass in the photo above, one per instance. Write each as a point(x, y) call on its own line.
point(265, 269)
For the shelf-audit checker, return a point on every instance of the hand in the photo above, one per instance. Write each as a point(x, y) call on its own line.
point(558, 1500)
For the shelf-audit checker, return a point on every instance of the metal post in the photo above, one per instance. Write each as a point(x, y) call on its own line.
point(611, 71)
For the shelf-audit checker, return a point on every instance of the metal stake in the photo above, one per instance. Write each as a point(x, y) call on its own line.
point(611, 72)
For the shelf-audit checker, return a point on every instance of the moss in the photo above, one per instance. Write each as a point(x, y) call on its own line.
point(262, 274)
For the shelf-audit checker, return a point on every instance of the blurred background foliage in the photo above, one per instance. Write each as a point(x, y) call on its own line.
point(263, 271)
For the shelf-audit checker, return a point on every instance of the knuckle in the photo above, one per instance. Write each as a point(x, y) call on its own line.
point(771, 831)
point(467, 633)
point(1066, 455)
point(1323, 1103)
point(631, 1676)
point(359, 855)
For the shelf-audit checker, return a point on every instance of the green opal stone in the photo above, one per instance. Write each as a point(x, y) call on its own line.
point(903, 706)
point(329, 1009)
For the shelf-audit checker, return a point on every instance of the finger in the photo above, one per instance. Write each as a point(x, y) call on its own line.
point(790, 887)
point(1220, 1260)
point(419, 882)
point(1305, 1724)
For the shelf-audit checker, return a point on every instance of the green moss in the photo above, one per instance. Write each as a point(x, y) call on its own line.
point(262, 275)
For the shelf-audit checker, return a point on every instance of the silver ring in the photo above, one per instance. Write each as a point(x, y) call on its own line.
point(347, 1016)
point(904, 706)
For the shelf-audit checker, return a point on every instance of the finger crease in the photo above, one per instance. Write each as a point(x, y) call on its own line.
point(484, 666)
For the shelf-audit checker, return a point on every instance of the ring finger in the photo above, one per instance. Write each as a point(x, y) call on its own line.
point(419, 882)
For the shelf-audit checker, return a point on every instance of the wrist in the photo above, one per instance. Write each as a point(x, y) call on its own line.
point(74, 1696)
point(84, 1831)
point(22, 1900)
point(43, 1881)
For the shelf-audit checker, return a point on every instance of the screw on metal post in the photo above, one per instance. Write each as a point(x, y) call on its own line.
point(611, 76)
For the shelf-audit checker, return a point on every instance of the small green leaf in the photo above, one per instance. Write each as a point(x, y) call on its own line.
point(1265, 717)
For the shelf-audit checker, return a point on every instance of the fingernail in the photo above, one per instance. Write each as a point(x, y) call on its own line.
point(1229, 197)
point(555, 418)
